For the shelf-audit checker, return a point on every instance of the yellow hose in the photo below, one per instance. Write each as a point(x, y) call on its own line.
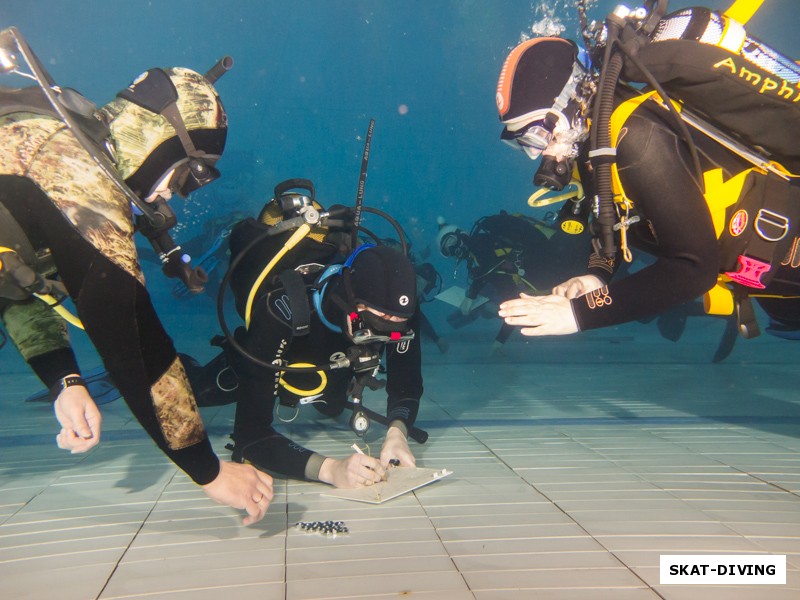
point(298, 235)
point(62, 312)
point(536, 200)
point(302, 393)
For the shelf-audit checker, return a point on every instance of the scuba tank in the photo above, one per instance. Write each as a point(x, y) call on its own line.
point(707, 61)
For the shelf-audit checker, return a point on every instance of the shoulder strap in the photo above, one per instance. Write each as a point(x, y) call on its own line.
point(295, 289)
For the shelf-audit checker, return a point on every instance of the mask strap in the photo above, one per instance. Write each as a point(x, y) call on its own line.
point(349, 262)
point(157, 93)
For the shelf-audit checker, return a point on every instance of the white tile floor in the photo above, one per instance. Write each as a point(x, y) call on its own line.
point(578, 462)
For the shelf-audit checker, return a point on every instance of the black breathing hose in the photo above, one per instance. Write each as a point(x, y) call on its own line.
point(606, 213)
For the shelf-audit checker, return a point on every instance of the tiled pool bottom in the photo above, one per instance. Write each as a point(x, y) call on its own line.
point(576, 465)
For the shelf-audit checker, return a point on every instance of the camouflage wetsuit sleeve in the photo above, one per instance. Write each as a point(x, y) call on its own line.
point(40, 335)
point(65, 202)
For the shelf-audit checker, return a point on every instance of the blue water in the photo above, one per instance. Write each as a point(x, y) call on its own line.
point(308, 76)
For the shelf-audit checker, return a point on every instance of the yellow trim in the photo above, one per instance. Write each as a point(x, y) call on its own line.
point(720, 195)
point(51, 301)
point(62, 312)
point(298, 235)
point(742, 10)
point(305, 393)
point(618, 119)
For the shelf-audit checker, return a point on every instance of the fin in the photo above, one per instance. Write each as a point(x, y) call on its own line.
point(728, 340)
point(787, 332)
point(672, 324)
point(98, 382)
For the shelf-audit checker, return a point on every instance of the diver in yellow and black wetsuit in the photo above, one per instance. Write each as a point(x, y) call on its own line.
point(67, 209)
point(720, 220)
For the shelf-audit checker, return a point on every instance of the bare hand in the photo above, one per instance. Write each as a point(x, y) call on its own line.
point(578, 286)
point(243, 487)
point(357, 470)
point(540, 315)
point(79, 418)
point(395, 446)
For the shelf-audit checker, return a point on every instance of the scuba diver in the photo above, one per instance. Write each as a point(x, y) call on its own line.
point(429, 284)
point(71, 179)
point(707, 186)
point(320, 313)
point(507, 254)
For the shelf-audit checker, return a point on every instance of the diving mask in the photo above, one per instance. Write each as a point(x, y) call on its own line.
point(366, 327)
point(533, 137)
point(452, 246)
point(194, 174)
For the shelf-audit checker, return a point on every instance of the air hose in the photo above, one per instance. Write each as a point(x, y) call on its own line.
point(602, 154)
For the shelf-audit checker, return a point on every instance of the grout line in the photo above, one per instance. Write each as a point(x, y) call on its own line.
point(134, 536)
point(444, 546)
point(285, 485)
point(555, 504)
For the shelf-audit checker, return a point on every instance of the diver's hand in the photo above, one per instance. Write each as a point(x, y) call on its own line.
point(357, 470)
point(80, 420)
point(395, 446)
point(578, 286)
point(243, 487)
point(466, 306)
point(540, 315)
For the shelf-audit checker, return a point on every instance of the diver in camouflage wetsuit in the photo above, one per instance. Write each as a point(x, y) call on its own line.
point(167, 130)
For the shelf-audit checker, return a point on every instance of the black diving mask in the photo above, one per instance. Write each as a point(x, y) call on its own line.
point(364, 327)
point(194, 174)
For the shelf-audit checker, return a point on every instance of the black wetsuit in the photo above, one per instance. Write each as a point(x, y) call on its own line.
point(676, 228)
point(269, 337)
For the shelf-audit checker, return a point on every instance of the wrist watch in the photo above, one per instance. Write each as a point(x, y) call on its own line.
point(64, 383)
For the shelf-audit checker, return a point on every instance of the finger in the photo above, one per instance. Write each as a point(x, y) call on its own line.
point(254, 513)
point(266, 491)
point(253, 517)
point(78, 444)
point(533, 331)
point(82, 428)
point(95, 421)
point(264, 480)
point(373, 475)
point(66, 439)
point(573, 291)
